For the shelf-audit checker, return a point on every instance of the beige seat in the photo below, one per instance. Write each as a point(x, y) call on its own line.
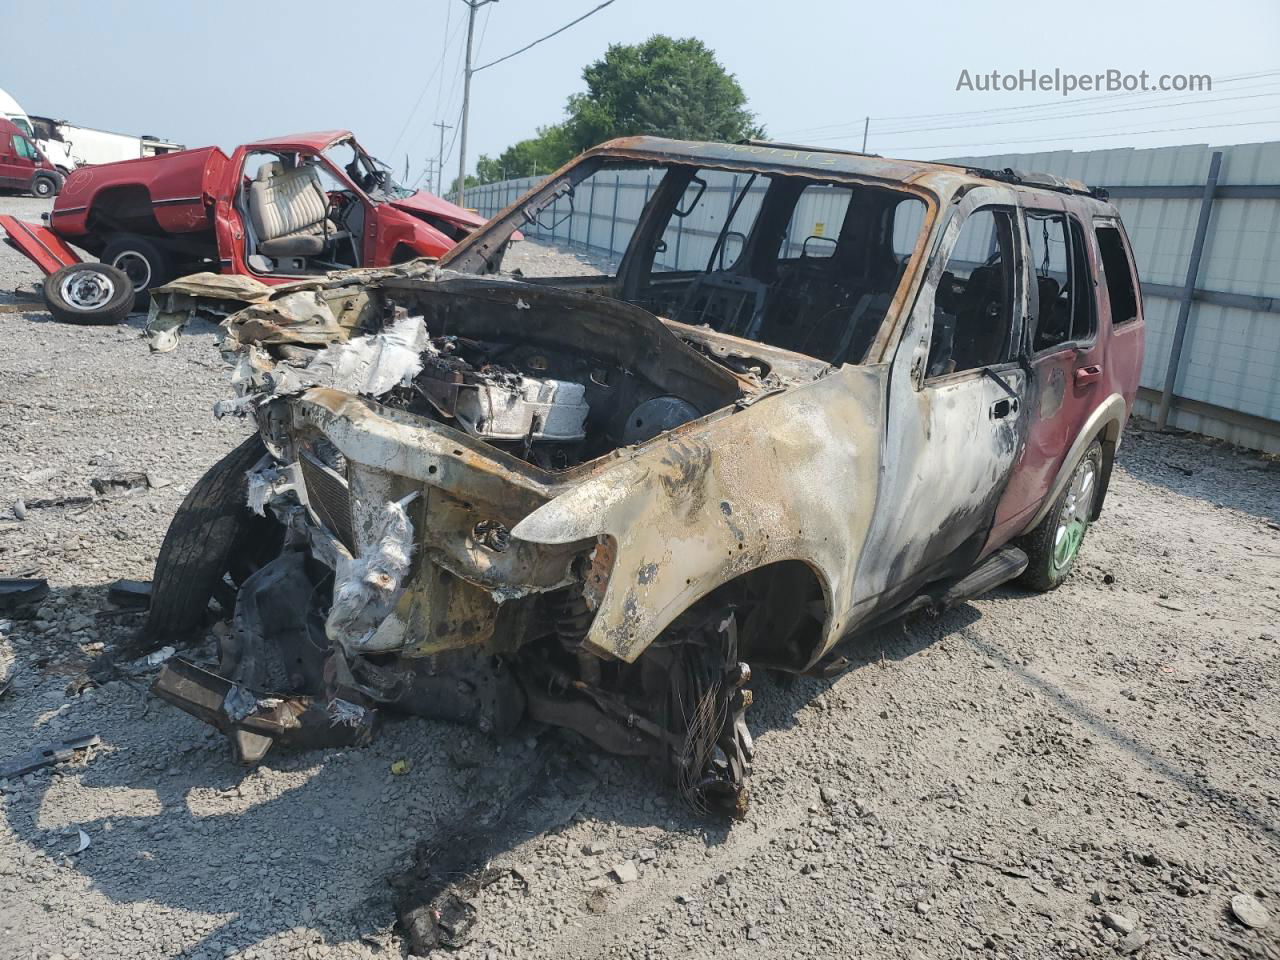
point(289, 211)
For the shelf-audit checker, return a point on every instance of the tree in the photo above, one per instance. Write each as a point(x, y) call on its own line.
point(663, 87)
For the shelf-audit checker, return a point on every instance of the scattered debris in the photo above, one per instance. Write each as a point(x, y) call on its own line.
point(48, 756)
point(625, 872)
point(84, 842)
point(153, 659)
point(119, 484)
point(49, 502)
point(253, 723)
point(21, 593)
point(1007, 871)
point(399, 767)
point(43, 475)
point(1249, 911)
point(1118, 922)
point(133, 594)
point(431, 898)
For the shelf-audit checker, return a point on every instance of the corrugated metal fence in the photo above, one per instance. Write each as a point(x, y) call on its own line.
point(1227, 383)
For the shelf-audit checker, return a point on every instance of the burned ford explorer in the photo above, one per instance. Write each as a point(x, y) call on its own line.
point(821, 390)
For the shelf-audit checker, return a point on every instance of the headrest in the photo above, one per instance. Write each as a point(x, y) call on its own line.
point(269, 170)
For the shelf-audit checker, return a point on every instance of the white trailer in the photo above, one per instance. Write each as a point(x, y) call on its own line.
point(87, 145)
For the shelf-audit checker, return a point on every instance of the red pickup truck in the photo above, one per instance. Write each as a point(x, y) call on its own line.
point(277, 210)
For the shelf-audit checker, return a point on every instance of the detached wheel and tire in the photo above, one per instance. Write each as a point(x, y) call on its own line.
point(145, 263)
point(88, 293)
point(44, 185)
point(1053, 546)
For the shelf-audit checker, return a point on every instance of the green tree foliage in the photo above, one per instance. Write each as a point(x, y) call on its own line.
point(664, 87)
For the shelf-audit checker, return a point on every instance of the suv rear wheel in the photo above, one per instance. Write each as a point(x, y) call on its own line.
point(143, 260)
point(1052, 547)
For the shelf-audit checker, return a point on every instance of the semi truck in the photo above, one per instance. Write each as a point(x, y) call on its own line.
point(68, 145)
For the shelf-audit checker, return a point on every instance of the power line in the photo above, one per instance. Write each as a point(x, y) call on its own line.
point(540, 39)
point(1079, 136)
point(1061, 116)
point(417, 103)
point(1052, 106)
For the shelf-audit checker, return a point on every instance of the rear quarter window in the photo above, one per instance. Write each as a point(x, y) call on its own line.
point(1122, 289)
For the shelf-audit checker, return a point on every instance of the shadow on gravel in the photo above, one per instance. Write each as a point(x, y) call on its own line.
point(287, 862)
point(1204, 469)
point(1108, 730)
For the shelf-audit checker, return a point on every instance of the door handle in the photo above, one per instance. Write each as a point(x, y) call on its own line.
point(1089, 374)
point(1003, 407)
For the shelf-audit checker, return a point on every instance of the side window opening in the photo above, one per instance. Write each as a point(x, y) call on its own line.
point(1122, 292)
point(1064, 304)
point(973, 306)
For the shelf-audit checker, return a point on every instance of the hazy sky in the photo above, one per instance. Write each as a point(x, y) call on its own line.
point(231, 71)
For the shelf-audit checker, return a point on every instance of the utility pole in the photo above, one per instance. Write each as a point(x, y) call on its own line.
point(439, 191)
point(472, 7)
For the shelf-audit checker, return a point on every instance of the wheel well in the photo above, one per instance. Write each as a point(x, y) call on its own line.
point(126, 208)
point(1109, 437)
point(782, 611)
point(403, 253)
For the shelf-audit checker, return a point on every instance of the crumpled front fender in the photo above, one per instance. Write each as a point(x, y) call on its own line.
point(792, 477)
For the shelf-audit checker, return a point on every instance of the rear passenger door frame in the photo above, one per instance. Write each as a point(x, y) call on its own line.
point(1066, 382)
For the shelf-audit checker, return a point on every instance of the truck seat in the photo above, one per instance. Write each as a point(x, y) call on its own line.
point(289, 211)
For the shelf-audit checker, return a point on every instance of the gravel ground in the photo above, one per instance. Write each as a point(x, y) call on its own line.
point(1083, 773)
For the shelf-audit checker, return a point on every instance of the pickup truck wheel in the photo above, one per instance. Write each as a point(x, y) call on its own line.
point(1053, 546)
point(145, 263)
point(44, 185)
point(88, 293)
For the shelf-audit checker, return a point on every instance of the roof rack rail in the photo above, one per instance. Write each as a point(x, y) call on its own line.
point(782, 145)
point(1041, 181)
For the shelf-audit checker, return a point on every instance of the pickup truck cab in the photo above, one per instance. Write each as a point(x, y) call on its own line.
point(22, 166)
point(278, 210)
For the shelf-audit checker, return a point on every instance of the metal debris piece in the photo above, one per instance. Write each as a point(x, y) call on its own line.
point(119, 484)
point(84, 842)
point(48, 756)
point(22, 592)
point(292, 721)
point(400, 767)
point(135, 594)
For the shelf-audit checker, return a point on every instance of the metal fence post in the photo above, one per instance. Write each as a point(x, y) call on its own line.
point(591, 212)
point(613, 222)
point(1188, 290)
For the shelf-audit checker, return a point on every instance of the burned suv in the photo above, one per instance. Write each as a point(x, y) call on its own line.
point(602, 501)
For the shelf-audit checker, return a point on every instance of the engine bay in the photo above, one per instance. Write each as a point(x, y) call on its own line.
point(551, 408)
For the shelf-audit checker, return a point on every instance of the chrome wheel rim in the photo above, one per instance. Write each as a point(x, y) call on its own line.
point(1073, 521)
point(136, 267)
point(87, 290)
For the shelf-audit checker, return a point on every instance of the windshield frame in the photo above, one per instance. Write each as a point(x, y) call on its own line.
point(482, 251)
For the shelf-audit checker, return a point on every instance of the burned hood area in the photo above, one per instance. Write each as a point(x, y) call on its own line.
point(374, 559)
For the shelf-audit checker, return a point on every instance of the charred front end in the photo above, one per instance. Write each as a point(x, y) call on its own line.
point(408, 427)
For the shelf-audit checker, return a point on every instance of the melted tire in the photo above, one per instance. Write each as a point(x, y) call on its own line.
point(200, 546)
point(1042, 574)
